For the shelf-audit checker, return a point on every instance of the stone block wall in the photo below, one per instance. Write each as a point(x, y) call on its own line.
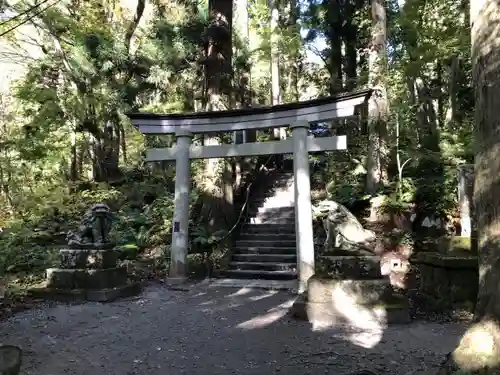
point(452, 279)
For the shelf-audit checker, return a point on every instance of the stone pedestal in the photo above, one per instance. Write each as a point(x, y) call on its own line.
point(88, 272)
point(351, 288)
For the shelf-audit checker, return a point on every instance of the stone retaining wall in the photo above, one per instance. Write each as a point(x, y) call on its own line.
point(448, 278)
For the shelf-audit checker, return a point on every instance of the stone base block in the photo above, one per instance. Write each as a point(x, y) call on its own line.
point(64, 295)
point(111, 294)
point(81, 295)
point(350, 267)
point(326, 313)
point(450, 279)
point(88, 258)
point(338, 291)
point(65, 278)
point(61, 278)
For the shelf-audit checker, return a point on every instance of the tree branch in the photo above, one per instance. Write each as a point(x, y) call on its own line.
point(134, 23)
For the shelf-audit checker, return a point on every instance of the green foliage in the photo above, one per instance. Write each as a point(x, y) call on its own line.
point(393, 204)
point(205, 240)
point(57, 156)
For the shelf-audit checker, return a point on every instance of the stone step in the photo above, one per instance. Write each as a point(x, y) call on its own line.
point(263, 266)
point(288, 285)
point(271, 220)
point(268, 228)
point(265, 250)
point(278, 200)
point(265, 258)
point(259, 274)
point(267, 237)
point(351, 267)
point(264, 243)
point(283, 211)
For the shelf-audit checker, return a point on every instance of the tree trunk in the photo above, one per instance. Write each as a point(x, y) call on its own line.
point(452, 112)
point(479, 349)
point(274, 10)
point(218, 211)
point(350, 41)
point(335, 39)
point(378, 105)
point(241, 49)
point(293, 78)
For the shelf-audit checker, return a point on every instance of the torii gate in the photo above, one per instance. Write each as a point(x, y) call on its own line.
point(298, 116)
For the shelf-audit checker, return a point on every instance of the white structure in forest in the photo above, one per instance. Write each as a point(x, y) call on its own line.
point(297, 116)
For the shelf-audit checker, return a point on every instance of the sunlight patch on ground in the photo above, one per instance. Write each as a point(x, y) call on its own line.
point(273, 315)
point(365, 325)
point(201, 294)
point(479, 347)
point(238, 293)
point(263, 320)
point(264, 295)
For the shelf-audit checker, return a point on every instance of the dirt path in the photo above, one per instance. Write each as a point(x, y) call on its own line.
point(212, 331)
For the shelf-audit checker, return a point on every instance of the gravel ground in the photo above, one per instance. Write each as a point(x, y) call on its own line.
point(209, 330)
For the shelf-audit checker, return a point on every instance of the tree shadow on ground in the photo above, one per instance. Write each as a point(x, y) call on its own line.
point(213, 330)
point(292, 346)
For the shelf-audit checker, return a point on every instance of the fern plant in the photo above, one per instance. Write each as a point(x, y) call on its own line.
point(204, 242)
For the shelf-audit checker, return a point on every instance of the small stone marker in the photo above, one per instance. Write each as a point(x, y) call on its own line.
point(465, 198)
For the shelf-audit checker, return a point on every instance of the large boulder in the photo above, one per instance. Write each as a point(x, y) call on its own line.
point(343, 229)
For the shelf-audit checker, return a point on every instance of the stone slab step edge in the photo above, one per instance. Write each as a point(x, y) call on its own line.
point(267, 237)
point(264, 243)
point(270, 220)
point(259, 274)
point(287, 285)
point(264, 266)
point(264, 250)
point(264, 257)
point(249, 228)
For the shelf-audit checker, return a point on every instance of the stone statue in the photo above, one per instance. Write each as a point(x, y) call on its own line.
point(343, 230)
point(94, 227)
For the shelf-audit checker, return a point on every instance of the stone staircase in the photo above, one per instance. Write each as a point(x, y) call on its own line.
point(346, 282)
point(265, 247)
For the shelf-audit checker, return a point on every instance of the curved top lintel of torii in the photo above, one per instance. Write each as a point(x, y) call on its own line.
point(312, 111)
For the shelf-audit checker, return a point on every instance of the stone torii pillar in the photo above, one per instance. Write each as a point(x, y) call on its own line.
point(180, 227)
point(303, 208)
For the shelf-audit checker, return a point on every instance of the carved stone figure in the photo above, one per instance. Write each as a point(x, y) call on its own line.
point(94, 227)
point(342, 228)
